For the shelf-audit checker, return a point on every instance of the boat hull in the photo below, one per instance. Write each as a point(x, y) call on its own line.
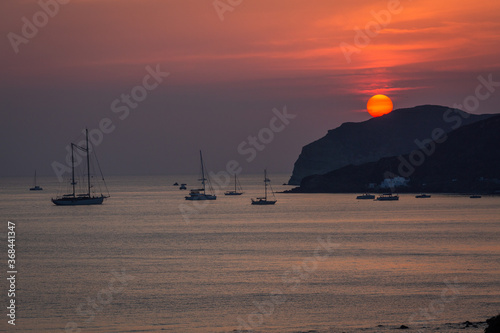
point(78, 201)
point(201, 197)
point(263, 202)
point(233, 193)
point(36, 188)
point(388, 198)
point(365, 197)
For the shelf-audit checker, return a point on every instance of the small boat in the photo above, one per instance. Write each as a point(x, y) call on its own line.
point(263, 200)
point(422, 196)
point(183, 187)
point(200, 194)
point(35, 186)
point(365, 196)
point(74, 199)
point(475, 196)
point(236, 186)
point(176, 184)
point(388, 197)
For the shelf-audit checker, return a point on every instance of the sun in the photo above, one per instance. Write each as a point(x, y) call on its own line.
point(379, 105)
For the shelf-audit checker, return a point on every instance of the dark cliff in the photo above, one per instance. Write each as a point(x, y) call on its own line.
point(369, 141)
point(466, 160)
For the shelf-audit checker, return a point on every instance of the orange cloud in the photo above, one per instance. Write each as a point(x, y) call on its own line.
point(109, 40)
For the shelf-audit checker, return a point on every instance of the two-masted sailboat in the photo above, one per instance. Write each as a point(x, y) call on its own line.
point(201, 194)
point(263, 200)
point(74, 199)
point(35, 186)
point(237, 188)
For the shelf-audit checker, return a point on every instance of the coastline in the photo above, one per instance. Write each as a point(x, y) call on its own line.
point(488, 326)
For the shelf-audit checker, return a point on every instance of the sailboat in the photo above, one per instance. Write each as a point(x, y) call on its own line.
point(200, 194)
point(35, 186)
point(387, 197)
point(74, 199)
point(235, 191)
point(263, 200)
point(365, 196)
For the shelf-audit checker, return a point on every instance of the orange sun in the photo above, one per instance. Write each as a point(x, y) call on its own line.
point(379, 105)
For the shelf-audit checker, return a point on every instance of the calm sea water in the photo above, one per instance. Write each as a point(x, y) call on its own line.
point(324, 262)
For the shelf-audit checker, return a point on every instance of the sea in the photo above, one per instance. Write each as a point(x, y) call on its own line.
point(147, 260)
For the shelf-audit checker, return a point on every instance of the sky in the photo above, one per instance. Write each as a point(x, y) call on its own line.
point(155, 81)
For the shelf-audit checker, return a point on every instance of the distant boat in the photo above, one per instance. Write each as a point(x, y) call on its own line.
point(183, 187)
point(388, 197)
point(263, 200)
point(422, 196)
point(74, 199)
point(200, 194)
point(236, 186)
point(365, 196)
point(35, 186)
point(475, 196)
point(176, 184)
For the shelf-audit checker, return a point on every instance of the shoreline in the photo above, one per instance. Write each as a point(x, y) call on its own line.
point(466, 326)
point(297, 191)
point(490, 325)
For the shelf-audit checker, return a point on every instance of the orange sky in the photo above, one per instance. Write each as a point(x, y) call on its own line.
point(271, 36)
point(274, 52)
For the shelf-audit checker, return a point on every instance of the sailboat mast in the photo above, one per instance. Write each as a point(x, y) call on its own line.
point(72, 169)
point(234, 182)
point(265, 184)
point(35, 178)
point(202, 173)
point(88, 160)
